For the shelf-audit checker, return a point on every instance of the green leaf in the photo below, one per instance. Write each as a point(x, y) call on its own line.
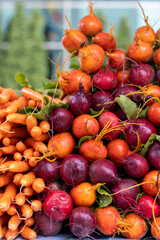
point(105, 64)
point(146, 146)
point(143, 113)
point(74, 63)
point(92, 112)
point(139, 195)
point(83, 139)
point(27, 110)
point(21, 79)
point(104, 198)
point(127, 105)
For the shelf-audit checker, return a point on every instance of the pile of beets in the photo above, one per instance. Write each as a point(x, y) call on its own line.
point(105, 179)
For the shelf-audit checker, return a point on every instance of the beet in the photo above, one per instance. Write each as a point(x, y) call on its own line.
point(154, 155)
point(100, 100)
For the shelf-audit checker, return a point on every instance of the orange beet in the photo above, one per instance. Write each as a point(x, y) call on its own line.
point(155, 228)
point(150, 187)
point(145, 34)
point(92, 150)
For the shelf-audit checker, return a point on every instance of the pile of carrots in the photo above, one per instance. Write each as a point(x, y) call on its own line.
point(22, 141)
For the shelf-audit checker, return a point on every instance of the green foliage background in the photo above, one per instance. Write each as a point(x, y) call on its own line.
point(25, 52)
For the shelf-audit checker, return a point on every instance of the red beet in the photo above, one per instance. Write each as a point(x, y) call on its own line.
point(103, 171)
point(58, 205)
point(135, 165)
point(52, 186)
point(82, 222)
point(105, 79)
point(158, 76)
point(145, 205)
point(74, 169)
point(124, 198)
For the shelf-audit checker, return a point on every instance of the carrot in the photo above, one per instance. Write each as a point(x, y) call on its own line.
point(27, 233)
point(38, 146)
point(31, 122)
point(33, 162)
point(28, 179)
point(21, 147)
point(20, 199)
point(36, 205)
point(17, 118)
point(1, 153)
point(6, 178)
point(16, 105)
point(5, 127)
point(31, 94)
point(43, 138)
point(8, 94)
point(38, 185)
point(11, 210)
point(28, 153)
point(32, 103)
point(14, 222)
point(3, 221)
point(29, 221)
point(45, 126)
point(10, 235)
point(17, 156)
point(4, 230)
point(8, 196)
point(19, 166)
point(17, 178)
point(36, 132)
point(5, 166)
point(10, 141)
point(19, 132)
point(27, 191)
point(36, 154)
point(10, 149)
point(26, 211)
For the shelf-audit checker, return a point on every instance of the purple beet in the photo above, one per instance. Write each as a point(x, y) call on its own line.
point(124, 198)
point(141, 127)
point(141, 74)
point(158, 76)
point(102, 99)
point(154, 155)
point(135, 165)
point(79, 102)
point(103, 171)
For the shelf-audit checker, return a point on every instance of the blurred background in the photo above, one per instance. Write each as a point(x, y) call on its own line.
point(30, 32)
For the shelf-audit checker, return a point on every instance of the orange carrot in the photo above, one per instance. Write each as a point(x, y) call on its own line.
point(19, 166)
point(3, 220)
point(27, 191)
point(10, 149)
point(17, 179)
point(28, 153)
point(26, 211)
point(11, 210)
point(27, 233)
point(4, 230)
point(36, 132)
point(43, 138)
point(10, 141)
point(10, 235)
point(29, 221)
point(36, 154)
point(8, 196)
point(17, 156)
point(5, 127)
point(31, 122)
point(38, 146)
point(38, 185)
point(19, 132)
point(17, 118)
point(5, 166)
point(21, 147)
point(28, 179)
point(20, 199)
point(31, 94)
point(8, 94)
point(36, 205)
point(33, 162)
point(14, 222)
point(16, 105)
point(6, 178)
point(45, 126)
point(32, 103)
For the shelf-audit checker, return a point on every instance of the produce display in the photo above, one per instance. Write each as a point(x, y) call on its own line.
point(83, 153)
